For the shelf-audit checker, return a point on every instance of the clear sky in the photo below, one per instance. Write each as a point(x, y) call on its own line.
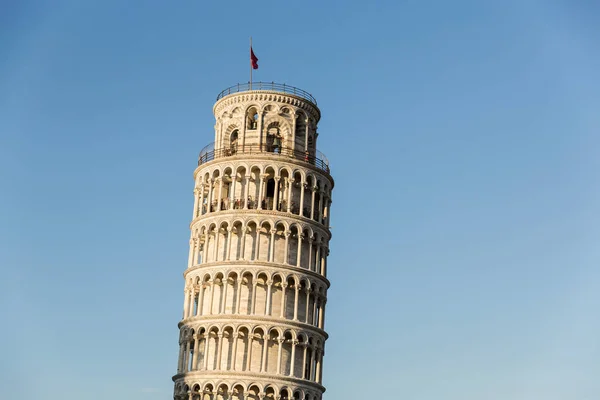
point(463, 137)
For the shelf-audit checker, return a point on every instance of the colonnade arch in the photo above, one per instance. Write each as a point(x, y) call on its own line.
point(274, 350)
point(253, 239)
point(239, 186)
point(219, 390)
point(242, 292)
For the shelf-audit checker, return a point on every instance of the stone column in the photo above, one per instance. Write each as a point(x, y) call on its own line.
point(295, 117)
point(264, 352)
point(311, 371)
point(312, 203)
point(321, 204)
point(191, 256)
point(268, 301)
point(201, 198)
point(260, 129)
point(324, 255)
point(220, 194)
point(297, 289)
point(280, 342)
point(246, 191)
point(306, 121)
point(206, 340)
point(217, 237)
point(210, 195)
point(320, 376)
point(314, 314)
point(186, 303)
point(181, 357)
point(195, 354)
point(234, 352)
point(228, 250)
point(322, 314)
point(308, 291)
point(291, 183)
point(187, 355)
point(192, 302)
point(299, 254)
point(257, 244)
point(219, 349)
point(239, 295)
point(285, 191)
point(260, 191)
point(305, 345)
point(201, 290)
point(196, 200)
point(253, 302)
point(244, 230)
point(249, 360)
point(224, 304)
point(283, 290)
point(272, 246)
point(212, 296)
point(317, 258)
point(205, 248)
point(328, 218)
point(293, 357)
point(310, 247)
point(301, 211)
point(276, 194)
point(287, 247)
point(317, 371)
point(232, 194)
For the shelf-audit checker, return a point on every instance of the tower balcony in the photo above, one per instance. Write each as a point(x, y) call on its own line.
point(209, 153)
point(268, 87)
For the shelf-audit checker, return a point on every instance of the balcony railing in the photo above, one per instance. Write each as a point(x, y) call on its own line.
point(268, 86)
point(209, 153)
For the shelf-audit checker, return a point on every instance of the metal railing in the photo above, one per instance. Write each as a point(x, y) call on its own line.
point(269, 86)
point(209, 153)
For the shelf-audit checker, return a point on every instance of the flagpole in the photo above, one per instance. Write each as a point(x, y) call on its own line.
point(250, 63)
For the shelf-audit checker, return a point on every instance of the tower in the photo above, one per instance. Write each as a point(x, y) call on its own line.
point(256, 283)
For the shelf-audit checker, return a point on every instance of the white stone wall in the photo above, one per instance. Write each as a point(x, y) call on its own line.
point(256, 283)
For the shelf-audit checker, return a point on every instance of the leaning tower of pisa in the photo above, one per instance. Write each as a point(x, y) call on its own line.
point(256, 281)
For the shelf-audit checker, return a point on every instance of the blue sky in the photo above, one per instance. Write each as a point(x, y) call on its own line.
point(463, 137)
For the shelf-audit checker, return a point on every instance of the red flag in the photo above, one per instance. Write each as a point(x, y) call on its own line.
point(253, 59)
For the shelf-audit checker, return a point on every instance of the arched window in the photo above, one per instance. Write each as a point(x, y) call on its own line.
point(271, 188)
point(252, 119)
point(233, 141)
point(300, 125)
point(274, 139)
